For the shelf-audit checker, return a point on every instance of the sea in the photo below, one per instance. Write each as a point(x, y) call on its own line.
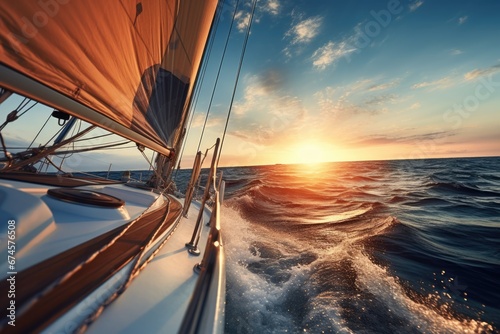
point(404, 246)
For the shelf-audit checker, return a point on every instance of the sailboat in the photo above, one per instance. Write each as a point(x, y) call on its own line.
point(81, 253)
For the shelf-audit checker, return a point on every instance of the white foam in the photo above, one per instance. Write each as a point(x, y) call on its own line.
point(380, 283)
point(261, 303)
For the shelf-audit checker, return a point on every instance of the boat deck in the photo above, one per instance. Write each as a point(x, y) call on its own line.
point(158, 298)
point(91, 274)
point(55, 180)
point(73, 259)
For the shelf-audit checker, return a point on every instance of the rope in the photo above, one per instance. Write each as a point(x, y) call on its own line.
point(237, 77)
point(5, 152)
point(20, 104)
point(138, 267)
point(47, 151)
point(53, 164)
point(151, 166)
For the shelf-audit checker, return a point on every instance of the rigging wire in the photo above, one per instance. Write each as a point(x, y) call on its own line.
point(72, 144)
point(39, 131)
point(22, 102)
point(54, 136)
point(49, 162)
point(12, 116)
point(93, 148)
point(95, 137)
point(237, 77)
point(122, 140)
point(196, 94)
point(218, 74)
point(47, 151)
point(25, 111)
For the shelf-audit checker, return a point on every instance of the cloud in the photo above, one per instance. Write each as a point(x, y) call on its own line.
point(259, 88)
point(477, 73)
point(384, 86)
point(456, 52)
point(199, 120)
point(243, 17)
point(242, 20)
point(352, 100)
point(305, 30)
point(382, 100)
point(334, 102)
point(330, 53)
point(267, 110)
point(442, 83)
point(359, 85)
point(462, 19)
point(272, 7)
point(415, 106)
point(333, 51)
point(272, 116)
point(456, 79)
point(415, 5)
point(384, 139)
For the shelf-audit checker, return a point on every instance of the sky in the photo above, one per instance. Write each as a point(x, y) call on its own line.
point(364, 80)
point(326, 80)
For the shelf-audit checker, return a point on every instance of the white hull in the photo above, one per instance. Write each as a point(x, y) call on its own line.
point(157, 298)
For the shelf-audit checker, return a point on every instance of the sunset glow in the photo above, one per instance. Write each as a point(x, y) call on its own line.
point(348, 81)
point(394, 80)
point(309, 152)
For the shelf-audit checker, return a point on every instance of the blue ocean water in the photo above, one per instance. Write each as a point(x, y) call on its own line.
point(407, 246)
point(364, 247)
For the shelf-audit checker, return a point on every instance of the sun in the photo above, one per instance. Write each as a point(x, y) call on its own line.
point(310, 152)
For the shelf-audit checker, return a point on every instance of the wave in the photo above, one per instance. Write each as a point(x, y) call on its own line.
point(235, 182)
point(263, 272)
point(399, 312)
point(398, 199)
point(490, 177)
point(288, 194)
point(336, 217)
point(262, 204)
point(322, 217)
point(358, 194)
point(274, 285)
point(273, 278)
point(360, 178)
point(460, 189)
point(364, 249)
point(428, 201)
